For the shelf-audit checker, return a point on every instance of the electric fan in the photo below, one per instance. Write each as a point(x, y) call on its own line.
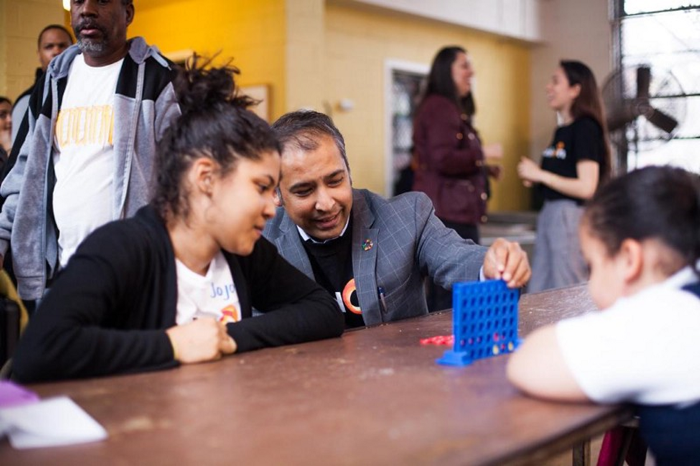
point(644, 109)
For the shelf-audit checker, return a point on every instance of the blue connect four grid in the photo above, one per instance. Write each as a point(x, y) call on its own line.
point(484, 320)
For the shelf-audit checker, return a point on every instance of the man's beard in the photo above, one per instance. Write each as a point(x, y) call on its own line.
point(89, 46)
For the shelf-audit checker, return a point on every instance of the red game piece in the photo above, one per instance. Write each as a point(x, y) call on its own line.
point(447, 340)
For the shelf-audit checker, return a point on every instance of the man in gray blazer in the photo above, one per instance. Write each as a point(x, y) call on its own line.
point(369, 252)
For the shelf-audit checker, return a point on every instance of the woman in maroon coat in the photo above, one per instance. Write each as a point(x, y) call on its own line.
point(449, 158)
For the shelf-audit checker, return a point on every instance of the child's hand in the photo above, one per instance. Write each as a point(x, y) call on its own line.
point(201, 340)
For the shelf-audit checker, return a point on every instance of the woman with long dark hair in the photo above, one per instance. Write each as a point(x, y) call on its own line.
point(449, 160)
point(177, 282)
point(573, 166)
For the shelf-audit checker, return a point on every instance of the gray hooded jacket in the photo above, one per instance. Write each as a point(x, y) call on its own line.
point(144, 106)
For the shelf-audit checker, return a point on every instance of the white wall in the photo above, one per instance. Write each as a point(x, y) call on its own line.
point(516, 19)
point(571, 29)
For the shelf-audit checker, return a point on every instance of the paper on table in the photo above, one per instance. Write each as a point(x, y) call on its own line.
point(49, 423)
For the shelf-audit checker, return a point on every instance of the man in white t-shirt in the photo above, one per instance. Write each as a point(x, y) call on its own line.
point(88, 151)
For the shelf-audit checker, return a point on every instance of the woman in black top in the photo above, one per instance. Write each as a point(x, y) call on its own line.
point(177, 282)
point(573, 166)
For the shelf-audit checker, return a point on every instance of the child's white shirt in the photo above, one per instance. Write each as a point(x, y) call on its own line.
point(642, 349)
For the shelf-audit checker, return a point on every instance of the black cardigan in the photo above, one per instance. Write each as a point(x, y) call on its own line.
point(107, 311)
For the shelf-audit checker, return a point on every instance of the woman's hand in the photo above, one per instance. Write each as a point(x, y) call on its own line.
point(493, 151)
point(581, 187)
point(529, 172)
point(201, 340)
point(495, 171)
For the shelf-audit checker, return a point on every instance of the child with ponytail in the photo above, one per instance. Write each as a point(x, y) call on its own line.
point(640, 235)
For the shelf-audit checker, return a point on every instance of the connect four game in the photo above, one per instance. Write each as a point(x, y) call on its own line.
point(484, 321)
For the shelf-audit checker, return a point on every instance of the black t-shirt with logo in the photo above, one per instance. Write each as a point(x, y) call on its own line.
point(332, 265)
point(581, 140)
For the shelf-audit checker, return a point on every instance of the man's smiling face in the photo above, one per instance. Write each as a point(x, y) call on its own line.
point(316, 189)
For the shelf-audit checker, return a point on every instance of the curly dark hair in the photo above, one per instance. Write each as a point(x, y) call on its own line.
point(303, 128)
point(215, 123)
point(53, 26)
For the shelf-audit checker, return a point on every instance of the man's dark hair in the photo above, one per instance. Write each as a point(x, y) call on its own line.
point(48, 28)
point(301, 130)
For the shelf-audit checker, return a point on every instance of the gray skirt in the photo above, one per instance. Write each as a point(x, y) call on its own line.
point(558, 260)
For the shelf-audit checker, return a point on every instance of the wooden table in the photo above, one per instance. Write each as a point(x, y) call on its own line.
point(374, 396)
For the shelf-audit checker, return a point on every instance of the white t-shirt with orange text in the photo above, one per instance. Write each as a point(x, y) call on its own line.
point(211, 295)
point(84, 154)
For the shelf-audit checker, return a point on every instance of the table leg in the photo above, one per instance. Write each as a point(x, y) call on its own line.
point(582, 453)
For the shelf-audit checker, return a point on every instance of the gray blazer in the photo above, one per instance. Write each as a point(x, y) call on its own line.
point(408, 242)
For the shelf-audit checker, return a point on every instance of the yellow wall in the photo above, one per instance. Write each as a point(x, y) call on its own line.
point(357, 43)
point(313, 53)
point(20, 24)
point(251, 31)
point(3, 47)
point(305, 51)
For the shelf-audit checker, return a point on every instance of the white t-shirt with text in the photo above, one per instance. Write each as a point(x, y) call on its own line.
point(84, 154)
point(212, 295)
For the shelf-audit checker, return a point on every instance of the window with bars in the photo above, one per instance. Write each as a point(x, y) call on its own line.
point(653, 98)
